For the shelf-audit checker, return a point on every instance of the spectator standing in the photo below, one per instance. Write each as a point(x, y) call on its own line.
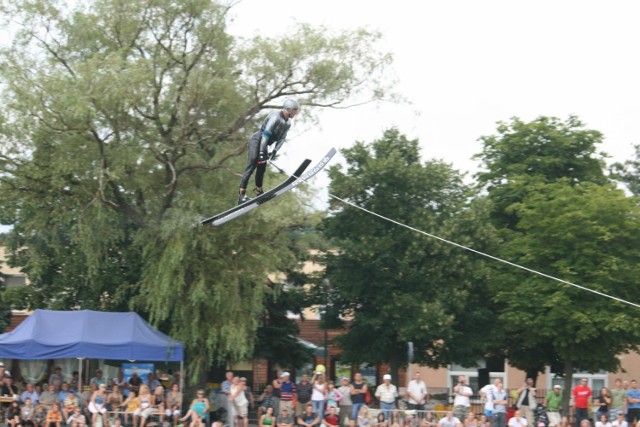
point(276, 392)
point(581, 397)
point(488, 403)
point(417, 393)
point(226, 389)
point(74, 382)
point(499, 399)
point(345, 403)
point(603, 403)
point(333, 396)
point(387, 394)
point(56, 377)
point(633, 403)
point(240, 402)
point(318, 394)
point(553, 401)
point(287, 392)
point(98, 379)
point(527, 400)
point(358, 394)
point(618, 400)
point(462, 401)
point(304, 389)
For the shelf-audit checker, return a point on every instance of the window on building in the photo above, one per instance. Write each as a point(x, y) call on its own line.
point(472, 377)
point(596, 381)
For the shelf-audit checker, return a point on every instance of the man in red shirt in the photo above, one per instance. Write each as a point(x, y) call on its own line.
point(581, 396)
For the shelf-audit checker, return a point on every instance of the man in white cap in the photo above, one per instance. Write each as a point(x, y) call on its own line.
point(553, 401)
point(287, 392)
point(387, 394)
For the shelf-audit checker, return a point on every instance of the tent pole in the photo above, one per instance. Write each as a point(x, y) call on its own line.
point(181, 375)
point(79, 391)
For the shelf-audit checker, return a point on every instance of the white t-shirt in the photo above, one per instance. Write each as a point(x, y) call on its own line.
point(417, 388)
point(461, 399)
point(620, 424)
point(513, 422)
point(446, 422)
point(487, 390)
point(318, 391)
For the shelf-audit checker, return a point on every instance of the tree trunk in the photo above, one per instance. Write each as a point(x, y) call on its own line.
point(394, 368)
point(566, 392)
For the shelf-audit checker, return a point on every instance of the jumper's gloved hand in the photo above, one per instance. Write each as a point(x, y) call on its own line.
point(263, 157)
point(272, 155)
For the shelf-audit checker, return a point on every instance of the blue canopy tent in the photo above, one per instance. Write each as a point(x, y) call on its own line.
point(87, 334)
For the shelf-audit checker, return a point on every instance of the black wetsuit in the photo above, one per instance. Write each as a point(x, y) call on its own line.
point(273, 130)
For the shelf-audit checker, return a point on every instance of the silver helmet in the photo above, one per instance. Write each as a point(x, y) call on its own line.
point(290, 104)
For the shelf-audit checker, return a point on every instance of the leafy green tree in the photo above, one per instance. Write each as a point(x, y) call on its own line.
point(628, 172)
point(522, 155)
point(395, 284)
point(121, 125)
point(558, 214)
point(584, 235)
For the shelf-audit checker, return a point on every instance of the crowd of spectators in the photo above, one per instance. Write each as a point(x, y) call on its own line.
point(316, 401)
point(103, 403)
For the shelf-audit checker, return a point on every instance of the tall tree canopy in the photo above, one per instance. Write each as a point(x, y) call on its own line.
point(397, 285)
point(559, 215)
point(120, 126)
point(628, 172)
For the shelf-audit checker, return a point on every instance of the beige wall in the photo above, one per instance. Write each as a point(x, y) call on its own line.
point(4, 268)
point(513, 378)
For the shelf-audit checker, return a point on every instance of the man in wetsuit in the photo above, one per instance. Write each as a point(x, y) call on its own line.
point(273, 130)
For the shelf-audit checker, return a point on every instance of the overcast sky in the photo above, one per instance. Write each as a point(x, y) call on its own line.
point(465, 65)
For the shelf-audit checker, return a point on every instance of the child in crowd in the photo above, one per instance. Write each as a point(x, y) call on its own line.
point(77, 418)
point(333, 395)
point(54, 416)
point(39, 416)
point(131, 404)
